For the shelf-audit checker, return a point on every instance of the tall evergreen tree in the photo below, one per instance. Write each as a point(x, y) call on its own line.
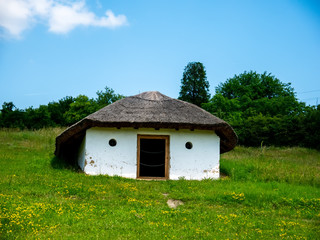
point(194, 84)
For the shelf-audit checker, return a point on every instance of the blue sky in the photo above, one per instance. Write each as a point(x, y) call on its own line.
point(50, 49)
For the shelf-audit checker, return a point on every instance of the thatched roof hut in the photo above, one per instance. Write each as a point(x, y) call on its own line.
point(149, 110)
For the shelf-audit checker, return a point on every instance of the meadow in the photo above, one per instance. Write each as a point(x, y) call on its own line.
point(265, 193)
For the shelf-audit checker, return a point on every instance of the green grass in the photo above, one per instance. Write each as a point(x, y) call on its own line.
point(269, 193)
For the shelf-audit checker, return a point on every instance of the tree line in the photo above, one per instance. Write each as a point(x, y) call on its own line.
point(261, 109)
point(64, 112)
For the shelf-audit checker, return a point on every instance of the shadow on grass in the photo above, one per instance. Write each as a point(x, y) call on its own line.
point(58, 163)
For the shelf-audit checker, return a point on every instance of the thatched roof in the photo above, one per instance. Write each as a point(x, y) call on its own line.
point(150, 110)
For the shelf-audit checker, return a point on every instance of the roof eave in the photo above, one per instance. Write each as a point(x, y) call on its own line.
point(223, 130)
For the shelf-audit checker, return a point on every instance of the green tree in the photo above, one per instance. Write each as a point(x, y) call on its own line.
point(262, 109)
point(11, 117)
point(7, 107)
point(254, 94)
point(58, 109)
point(80, 108)
point(255, 86)
point(107, 97)
point(36, 118)
point(194, 84)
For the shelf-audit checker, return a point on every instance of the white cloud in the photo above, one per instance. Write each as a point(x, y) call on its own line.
point(14, 16)
point(111, 20)
point(61, 17)
point(41, 7)
point(65, 18)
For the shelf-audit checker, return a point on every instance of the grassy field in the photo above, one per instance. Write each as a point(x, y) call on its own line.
point(268, 193)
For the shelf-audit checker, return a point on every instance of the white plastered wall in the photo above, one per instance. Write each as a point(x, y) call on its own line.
point(202, 161)
point(82, 154)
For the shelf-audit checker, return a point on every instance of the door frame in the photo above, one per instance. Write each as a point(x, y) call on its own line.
point(167, 155)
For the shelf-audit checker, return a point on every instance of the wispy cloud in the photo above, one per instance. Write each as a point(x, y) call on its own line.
point(61, 16)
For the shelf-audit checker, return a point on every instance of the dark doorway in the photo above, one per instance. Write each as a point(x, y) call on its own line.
point(152, 156)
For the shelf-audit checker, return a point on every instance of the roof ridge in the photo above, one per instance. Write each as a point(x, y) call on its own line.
point(152, 96)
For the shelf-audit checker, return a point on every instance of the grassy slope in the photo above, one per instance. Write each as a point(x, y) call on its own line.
point(270, 193)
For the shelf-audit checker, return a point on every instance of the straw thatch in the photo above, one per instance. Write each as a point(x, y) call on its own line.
point(149, 110)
